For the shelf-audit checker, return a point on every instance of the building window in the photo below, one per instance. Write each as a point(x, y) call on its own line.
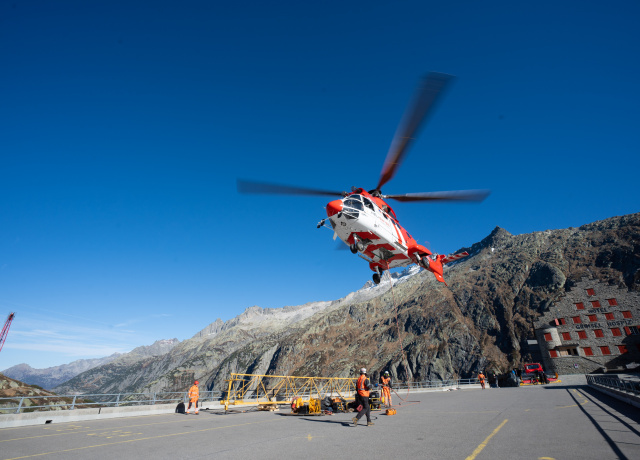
point(559, 321)
point(626, 314)
point(595, 303)
point(591, 292)
point(568, 352)
point(582, 334)
point(553, 353)
point(616, 331)
point(576, 320)
point(566, 336)
point(605, 350)
point(598, 332)
point(587, 351)
point(547, 337)
point(608, 316)
point(631, 330)
point(612, 302)
point(580, 306)
point(622, 349)
point(593, 318)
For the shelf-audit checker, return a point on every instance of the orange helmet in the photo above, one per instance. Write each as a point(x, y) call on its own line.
point(195, 383)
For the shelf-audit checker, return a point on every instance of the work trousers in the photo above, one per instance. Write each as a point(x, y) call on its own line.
point(366, 408)
point(386, 391)
point(195, 406)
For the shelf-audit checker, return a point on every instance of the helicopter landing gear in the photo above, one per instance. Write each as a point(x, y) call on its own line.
point(377, 276)
point(357, 246)
point(321, 223)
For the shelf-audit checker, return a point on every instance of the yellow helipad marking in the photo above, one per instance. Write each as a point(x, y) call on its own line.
point(484, 443)
point(112, 434)
point(546, 458)
point(581, 403)
point(65, 428)
point(67, 431)
point(139, 439)
point(58, 425)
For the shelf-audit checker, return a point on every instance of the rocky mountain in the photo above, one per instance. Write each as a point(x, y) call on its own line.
point(414, 326)
point(15, 389)
point(50, 377)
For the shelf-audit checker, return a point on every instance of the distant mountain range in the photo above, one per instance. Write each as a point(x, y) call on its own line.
point(419, 329)
point(51, 377)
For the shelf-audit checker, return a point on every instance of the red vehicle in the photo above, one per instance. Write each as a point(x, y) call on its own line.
point(531, 368)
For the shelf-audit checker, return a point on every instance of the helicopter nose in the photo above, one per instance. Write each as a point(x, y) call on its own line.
point(334, 207)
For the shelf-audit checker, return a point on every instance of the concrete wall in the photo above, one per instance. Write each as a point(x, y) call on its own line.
point(78, 415)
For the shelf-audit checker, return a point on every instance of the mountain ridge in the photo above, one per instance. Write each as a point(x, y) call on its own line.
point(482, 320)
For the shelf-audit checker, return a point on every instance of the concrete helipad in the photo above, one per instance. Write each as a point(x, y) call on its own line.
point(538, 422)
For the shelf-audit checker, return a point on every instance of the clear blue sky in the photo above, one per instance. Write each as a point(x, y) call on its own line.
point(124, 126)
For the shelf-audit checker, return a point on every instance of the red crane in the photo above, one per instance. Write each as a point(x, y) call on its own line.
point(5, 329)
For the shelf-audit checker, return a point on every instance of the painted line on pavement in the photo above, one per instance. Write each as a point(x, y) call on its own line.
point(75, 429)
point(484, 443)
point(139, 439)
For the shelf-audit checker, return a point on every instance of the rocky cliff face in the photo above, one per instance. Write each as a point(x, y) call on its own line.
point(419, 329)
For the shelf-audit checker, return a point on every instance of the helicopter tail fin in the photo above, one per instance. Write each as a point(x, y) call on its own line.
point(436, 266)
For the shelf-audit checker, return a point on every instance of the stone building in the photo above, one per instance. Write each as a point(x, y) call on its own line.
point(593, 328)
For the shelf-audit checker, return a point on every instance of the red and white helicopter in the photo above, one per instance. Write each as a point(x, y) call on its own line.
point(364, 220)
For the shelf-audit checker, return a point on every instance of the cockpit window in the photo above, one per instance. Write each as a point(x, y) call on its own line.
point(353, 202)
point(368, 203)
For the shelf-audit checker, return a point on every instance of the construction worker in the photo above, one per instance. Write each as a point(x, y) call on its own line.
point(385, 380)
point(194, 394)
point(363, 387)
point(481, 379)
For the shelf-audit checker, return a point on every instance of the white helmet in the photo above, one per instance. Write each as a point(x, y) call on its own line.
point(363, 371)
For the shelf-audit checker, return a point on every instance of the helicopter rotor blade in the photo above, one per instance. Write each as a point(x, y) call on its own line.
point(455, 195)
point(423, 102)
point(279, 189)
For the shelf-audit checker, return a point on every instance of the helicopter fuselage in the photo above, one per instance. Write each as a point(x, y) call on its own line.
point(369, 226)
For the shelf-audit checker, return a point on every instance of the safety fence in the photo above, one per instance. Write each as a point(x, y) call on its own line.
point(626, 385)
point(249, 389)
point(22, 404)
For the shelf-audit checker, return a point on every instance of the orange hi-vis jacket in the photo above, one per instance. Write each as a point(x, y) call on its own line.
point(360, 386)
point(385, 382)
point(194, 393)
point(481, 377)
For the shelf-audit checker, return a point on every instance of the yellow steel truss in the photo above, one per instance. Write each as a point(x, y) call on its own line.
point(281, 389)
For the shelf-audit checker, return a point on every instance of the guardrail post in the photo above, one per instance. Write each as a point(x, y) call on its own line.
point(19, 405)
point(154, 398)
point(73, 403)
point(118, 400)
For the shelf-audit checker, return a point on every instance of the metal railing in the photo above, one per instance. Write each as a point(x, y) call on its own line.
point(621, 384)
point(22, 404)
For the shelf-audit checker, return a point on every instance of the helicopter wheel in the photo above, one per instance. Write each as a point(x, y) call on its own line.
point(354, 249)
point(376, 278)
point(425, 262)
point(360, 246)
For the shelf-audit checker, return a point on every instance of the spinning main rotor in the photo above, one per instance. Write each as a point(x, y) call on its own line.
point(425, 99)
